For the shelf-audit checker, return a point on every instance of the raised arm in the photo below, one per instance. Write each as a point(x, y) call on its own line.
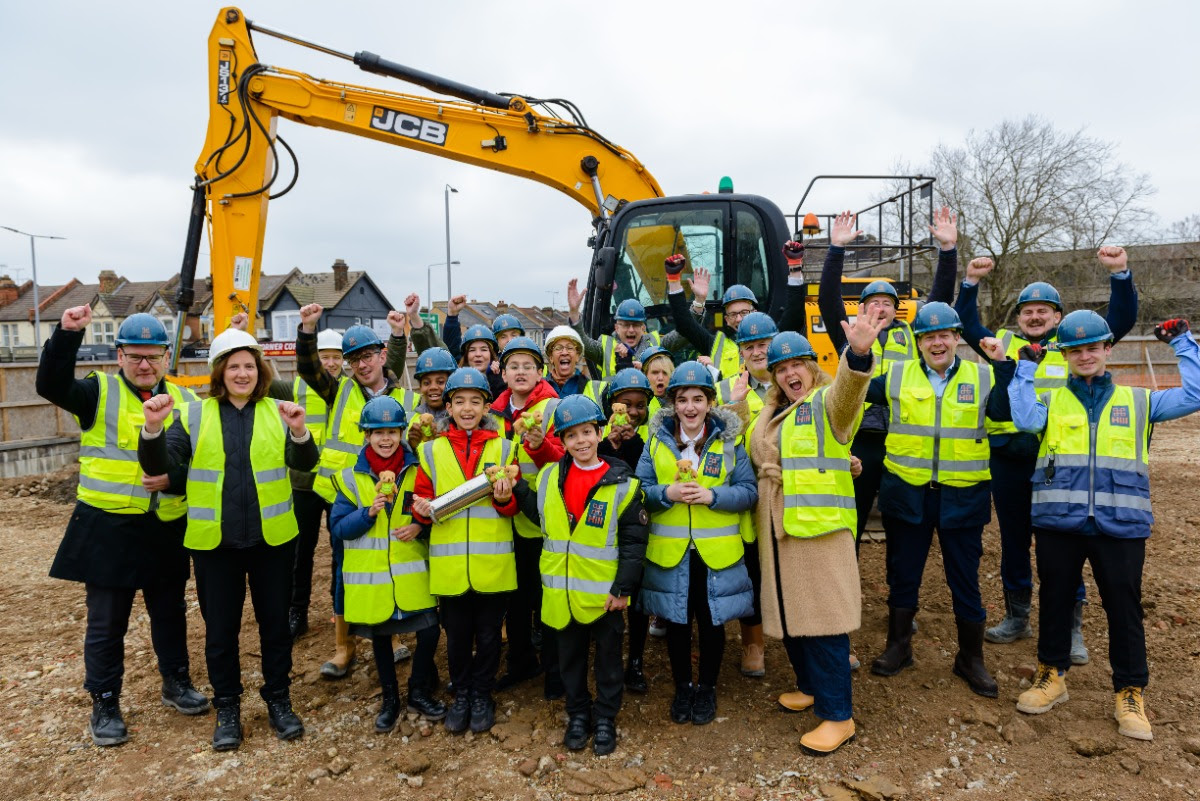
point(967, 303)
point(829, 296)
point(452, 328)
point(1028, 413)
point(795, 315)
point(945, 230)
point(1171, 404)
point(1122, 294)
point(56, 381)
point(592, 349)
point(685, 323)
point(308, 359)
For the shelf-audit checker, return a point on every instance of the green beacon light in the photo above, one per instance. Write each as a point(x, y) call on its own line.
point(725, 187)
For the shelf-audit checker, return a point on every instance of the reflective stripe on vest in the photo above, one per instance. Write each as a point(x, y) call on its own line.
point(754, 401)
point(717, 535)
point(206, 474)
point(379, 572)
point(316, 411)
point(579, 565)
point(818, 490)
point(900, 345)
point(609, 345)
point(1051, 372)
point(343, 438)
point(1099, 470)
point(726, 355)
point(523, 525)
point(473, 550)
point(933, 438)
point(110, 477)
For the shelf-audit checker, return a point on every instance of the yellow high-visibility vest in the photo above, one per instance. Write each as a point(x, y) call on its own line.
point(726, 355)
point(1051, 372)
point(818, 490)
point(523, 525)
point(609, 345)
point(343, 438)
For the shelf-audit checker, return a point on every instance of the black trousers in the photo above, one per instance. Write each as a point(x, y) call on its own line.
point(868, 446)
point(679, 635)
point(524, 605)
point(755, 571)
point(472, 623)
point(1117, 567)
point(108, 610)
point(309, 509)
point(423, 669)
point(221, 578)
point(574, 643)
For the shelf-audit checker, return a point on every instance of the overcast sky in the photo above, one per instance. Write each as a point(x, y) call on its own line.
point(104, 114)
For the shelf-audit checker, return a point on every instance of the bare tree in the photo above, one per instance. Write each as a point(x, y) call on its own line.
point(1185, 230)
point(1024, 188)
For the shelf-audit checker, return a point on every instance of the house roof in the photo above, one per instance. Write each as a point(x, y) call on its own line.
point(130, 297)
point(21, 309)
point(77, 295)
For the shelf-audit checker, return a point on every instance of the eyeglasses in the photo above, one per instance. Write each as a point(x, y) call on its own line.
point(355, 358)
point(138, 358)
point(562, 347)
point(736, 315)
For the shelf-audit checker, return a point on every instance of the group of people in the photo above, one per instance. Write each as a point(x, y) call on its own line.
point(559, 496)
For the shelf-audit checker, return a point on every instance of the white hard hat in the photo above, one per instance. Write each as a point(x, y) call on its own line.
point(228, 340)
point(563, 332)
point(329, 340)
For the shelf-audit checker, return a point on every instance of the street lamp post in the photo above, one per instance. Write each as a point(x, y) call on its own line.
point(37, 313)
point(449, 189)
point(429, 280)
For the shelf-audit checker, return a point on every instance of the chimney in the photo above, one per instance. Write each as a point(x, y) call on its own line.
point(501, 306)
point(341, 275)
point(108, 282)
point(8, 290)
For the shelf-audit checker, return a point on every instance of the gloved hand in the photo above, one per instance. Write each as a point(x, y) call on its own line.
point(794, 252)
point(1032, 353)
point(674, 266)
point(1168, 330)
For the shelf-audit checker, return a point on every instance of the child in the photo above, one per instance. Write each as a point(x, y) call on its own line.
point(385, 567)
point(471, 564)
point(479, 350)
point(591, 514)
point(434, 367)
point(698, 481)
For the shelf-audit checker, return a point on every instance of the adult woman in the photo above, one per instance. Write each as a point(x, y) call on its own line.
point(799, 445)
point(240, 519)
point(698, 481)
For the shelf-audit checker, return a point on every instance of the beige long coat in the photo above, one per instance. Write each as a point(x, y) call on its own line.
point(810, 586)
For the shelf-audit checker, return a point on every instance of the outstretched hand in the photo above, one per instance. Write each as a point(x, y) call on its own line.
point(575, 297)
point(699, 283)
point(945, 228)
point(843, 232)
point(863, 332)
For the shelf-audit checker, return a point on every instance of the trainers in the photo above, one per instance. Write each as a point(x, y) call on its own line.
point(227, 734)
point(604, 741)
point(681, 706)
point(178, 692)
point(579, 731)
point(106, 725)
point(283, 720)
point(483, 713)
point(704, 705)
point(424, 704)
point(458, 716)
point(401, 653)
point(1048, 691)
point(658, 626)
point(1130, 713)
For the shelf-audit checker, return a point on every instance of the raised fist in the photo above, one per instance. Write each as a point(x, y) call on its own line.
point(395, 321)
point(1032, 352)
point(156, 411)
point(1113, 257)
point(310, 315)
point(293, 417)
point(674, 266)
point(412, 305)
point(456, 304)
point(1168, 330)
point(239, 321)
point(77, 318)
point(993, 348)
point(979, 269)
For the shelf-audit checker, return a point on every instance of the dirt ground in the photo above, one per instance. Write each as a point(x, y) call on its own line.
point(922, 734)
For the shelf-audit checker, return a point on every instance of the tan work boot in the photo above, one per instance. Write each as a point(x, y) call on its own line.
point(343, 651)
point(753, 652)
point(1048, 691)
point(828, 737)
point(796, 701)
point(1130, 713)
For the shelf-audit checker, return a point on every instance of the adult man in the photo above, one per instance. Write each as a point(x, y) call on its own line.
point(613, 353)
point(1091, 501)
point(936, 478)
point(126, 532)
point(1039, 311)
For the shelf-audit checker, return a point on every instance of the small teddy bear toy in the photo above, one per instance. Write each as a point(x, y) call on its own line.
point(620, 416)
point(496, 471)
point(387, 484)
point(528, 421)
point(686, 471)
point(425, 424)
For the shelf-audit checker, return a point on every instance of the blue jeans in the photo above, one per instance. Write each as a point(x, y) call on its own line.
point(822, 666)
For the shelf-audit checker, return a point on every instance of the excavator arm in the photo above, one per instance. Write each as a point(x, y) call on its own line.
point(240, 170)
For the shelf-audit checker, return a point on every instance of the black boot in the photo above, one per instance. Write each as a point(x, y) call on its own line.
point(968, 663)
point(704, 706)
point(227, 735)
point(298, 621)
point(458, 717)
point(107, 726)
point(898, 653)
point(483, 712)
point(424, 704)
point(604, 740)
point(389, 710)
point(635, 679)
point(284, 722)
point(681, 705)
point(178, 692)
point(579, 729)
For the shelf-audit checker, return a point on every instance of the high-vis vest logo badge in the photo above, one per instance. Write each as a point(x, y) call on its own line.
point(596, 512)
point(1119, 416)
point(804, 414)
point(966, 393)
point(899, 338)
point(712, 465)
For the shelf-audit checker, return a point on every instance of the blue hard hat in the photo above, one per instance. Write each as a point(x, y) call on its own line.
point(692, 374)
point(142, 329)
point(1082, 327)
point(631, 311)
point(879, 288)
point(467, 378)
point(434, 360)
point(382, 411)
point(522, 345)
point(575, 410)
point(507, 322)
point(1040, 292)
point(650, 351)
point(936, 316)
point(627, 379)
point(479, 333)
point(755, 326)
point(738, 292)
point(358, 337)
point(788, 345)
